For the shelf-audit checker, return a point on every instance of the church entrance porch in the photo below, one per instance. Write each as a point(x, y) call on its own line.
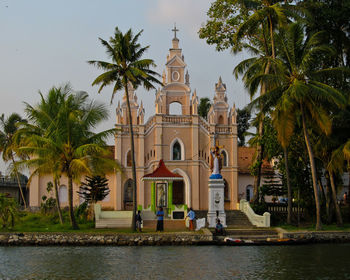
point(167, 191)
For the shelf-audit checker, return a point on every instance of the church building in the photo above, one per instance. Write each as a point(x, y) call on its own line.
point(183, 142)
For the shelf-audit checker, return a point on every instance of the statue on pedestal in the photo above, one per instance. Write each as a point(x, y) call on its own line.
point(215, 163)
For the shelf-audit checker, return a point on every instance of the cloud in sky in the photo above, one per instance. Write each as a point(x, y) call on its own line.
point(191, 14)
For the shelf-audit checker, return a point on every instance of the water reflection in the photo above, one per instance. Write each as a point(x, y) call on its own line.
point(322, 261)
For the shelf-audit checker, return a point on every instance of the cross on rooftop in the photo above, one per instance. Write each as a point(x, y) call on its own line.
point(175, 31)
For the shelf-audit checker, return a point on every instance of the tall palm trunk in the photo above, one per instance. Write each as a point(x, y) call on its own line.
point(58, 201)
point(259, 160)
point(328, 202)
point(290, 201)
point(70, 203)
point(260, 147)
point(313, 170)
point(334, 196)
point(19, 182)
point(272, 38)
point(133, 166)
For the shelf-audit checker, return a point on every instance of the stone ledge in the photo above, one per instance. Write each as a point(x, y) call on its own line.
point(48, 239)
point(151, 239)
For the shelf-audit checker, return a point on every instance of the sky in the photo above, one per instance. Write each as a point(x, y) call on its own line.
point(46, 43)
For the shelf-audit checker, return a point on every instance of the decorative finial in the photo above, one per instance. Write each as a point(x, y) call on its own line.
point(220, 80)
point(164, 77)
point(175, 29)
point(187, 78)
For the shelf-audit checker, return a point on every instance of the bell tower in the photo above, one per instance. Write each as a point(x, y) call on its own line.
point(176, 81)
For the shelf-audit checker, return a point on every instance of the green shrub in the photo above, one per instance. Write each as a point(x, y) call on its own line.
point(8, 211)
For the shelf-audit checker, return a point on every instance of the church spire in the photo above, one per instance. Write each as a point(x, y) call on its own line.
point(175, 40)
point(175, 30)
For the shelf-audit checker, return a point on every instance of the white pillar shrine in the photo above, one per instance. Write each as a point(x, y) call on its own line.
point(216, 202)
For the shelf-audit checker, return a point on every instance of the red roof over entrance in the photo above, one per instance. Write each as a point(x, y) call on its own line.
point(162, 173)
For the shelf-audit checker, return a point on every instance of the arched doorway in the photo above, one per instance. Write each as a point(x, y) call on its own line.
point(128, 194)
point(249, 192)
point(178, 192)
point(186, 187)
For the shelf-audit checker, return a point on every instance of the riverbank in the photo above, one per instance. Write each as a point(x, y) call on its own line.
point(204, 237)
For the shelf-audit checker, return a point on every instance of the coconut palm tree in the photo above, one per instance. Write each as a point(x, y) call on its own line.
point(59, 139)
point(297, 91)
point(8, 146)
point(323, 150)
point(264, 16)
point(126, 67)
point(42, 120)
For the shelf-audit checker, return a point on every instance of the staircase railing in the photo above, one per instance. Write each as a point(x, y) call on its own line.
point(256, 220)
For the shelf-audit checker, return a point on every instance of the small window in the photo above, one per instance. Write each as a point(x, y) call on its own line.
point(221, 120)
point(128, 159)
point(177, 151)
point(223, 158)
point(63, 194)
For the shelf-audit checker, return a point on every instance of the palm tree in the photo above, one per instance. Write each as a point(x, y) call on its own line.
point(324, 147)
point(126, 68)
point(42, 121)
point(8, 146)
point(298, 94)
point(259, 27)
point(68, 144)
point(203, 107)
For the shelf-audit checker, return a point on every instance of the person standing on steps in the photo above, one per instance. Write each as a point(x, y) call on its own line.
point(160, 219)
point(191, 217)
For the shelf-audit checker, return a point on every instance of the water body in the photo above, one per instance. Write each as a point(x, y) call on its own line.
point(320, 261)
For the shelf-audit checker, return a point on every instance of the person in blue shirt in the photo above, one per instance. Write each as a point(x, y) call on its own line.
point(160, 218)
point(219, 229)
point(191, 217)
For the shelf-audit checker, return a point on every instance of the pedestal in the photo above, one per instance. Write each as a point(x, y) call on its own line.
point(216, 202)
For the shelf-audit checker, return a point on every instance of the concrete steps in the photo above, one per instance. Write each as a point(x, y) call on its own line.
point(234, 218)
point(237, 219)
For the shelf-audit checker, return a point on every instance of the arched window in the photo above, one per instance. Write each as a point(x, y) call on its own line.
point(128, 191)
point(249, 192)
point(221, 119)
point(177, 150)
point(128, 158)
point(224, 160)
point(128, 194)
point(175, 108)
point(63, 194)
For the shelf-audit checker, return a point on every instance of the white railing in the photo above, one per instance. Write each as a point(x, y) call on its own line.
point(256, 220)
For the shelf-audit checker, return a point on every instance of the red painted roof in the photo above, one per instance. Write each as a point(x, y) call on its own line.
point(162, 173)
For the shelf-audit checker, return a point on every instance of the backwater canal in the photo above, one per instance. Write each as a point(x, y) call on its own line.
point(316, 261)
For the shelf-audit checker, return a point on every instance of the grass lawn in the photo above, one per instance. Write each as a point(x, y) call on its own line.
point(37, 222)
